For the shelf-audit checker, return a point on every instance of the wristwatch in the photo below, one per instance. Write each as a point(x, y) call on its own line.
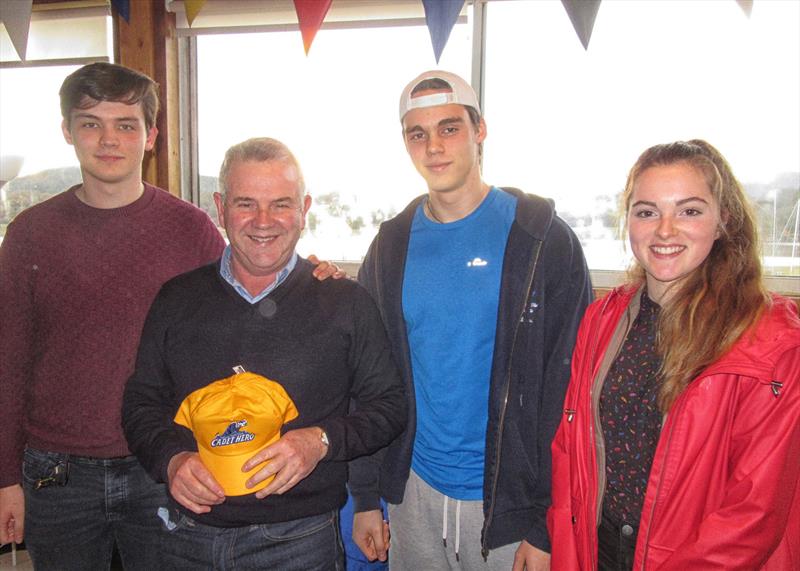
point(323, 436)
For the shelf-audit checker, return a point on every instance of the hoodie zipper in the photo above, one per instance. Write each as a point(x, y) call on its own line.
point(496, 475)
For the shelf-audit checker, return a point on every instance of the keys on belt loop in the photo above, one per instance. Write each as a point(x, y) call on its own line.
point(58, 476)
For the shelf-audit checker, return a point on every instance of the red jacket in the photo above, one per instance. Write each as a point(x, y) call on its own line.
point(724, 488)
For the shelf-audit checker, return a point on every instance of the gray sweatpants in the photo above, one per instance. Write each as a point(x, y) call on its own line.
point(419, 524)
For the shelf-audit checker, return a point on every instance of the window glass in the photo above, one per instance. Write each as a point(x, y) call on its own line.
point(568, 123)
point(336, 109)
point(35, 161)
point(33, 154)
point(62, 33)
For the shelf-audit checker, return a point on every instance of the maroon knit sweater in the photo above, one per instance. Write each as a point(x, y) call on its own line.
point(76, 283)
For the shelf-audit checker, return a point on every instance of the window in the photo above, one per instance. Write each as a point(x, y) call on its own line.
point(35, 161)
point(568, 123)
point(336, 109)
point(564, 122)
point(35, 157)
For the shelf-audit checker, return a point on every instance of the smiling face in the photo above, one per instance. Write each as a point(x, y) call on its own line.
point(443, 145)
point(110, 140)
point(263, 213)
point(673, 221)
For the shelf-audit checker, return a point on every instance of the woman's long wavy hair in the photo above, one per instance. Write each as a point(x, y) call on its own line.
point(708, 310)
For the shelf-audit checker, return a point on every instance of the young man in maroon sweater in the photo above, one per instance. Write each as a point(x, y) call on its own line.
point(78, 273)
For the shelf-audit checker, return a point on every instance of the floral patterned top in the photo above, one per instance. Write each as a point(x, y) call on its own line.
point(630, 418)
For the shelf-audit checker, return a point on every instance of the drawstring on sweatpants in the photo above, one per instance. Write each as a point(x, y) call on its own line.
point(444, 523)
point(458, 525)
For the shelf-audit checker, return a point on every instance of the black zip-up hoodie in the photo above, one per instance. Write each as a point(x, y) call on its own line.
point(544, 291)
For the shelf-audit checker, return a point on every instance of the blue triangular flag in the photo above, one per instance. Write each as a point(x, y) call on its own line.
point(441, 16)
point(123, 8)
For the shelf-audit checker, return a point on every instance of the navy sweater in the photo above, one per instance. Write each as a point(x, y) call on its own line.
point(323, 341)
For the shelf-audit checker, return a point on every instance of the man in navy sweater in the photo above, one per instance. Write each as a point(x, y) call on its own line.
point(260, 309)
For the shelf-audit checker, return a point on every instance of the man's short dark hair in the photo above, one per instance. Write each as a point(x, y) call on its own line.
point(102, 81)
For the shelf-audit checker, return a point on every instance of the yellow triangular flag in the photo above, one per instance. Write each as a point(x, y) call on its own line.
point(193, 8)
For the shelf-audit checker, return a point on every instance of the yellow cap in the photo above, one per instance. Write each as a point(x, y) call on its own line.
point(232, 419)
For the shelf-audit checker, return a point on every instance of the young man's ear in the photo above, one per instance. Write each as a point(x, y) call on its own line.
point(65, 131)
point(152, 133)
point(481, 131)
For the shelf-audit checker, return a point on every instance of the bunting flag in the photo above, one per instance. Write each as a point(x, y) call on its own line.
point(310, 15)
point(193, 8)
point(16, 16)
point(123, 8)
point(441, 16)
point(746, 6)
point(582, 13)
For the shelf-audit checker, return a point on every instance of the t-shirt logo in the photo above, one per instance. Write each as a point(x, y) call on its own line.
point(476, 263)
point(233, 435)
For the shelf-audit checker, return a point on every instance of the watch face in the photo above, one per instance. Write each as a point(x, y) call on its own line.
point(324, 438)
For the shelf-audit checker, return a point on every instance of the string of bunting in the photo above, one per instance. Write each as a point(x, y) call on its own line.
point(440, 17)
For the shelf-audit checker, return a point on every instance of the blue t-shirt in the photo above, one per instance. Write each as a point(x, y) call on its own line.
point(451, 292)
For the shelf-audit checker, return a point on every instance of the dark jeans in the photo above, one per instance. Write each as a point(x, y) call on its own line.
point(306, 544)
point(616, 544)
point(102, 502)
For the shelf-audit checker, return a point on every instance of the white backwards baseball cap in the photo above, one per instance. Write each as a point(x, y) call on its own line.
point(460, 92)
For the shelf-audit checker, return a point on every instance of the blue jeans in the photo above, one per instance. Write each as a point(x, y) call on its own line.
point(307, 544)
point(101, 502)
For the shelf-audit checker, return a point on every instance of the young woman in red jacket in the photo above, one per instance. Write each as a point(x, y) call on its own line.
point(679, 447)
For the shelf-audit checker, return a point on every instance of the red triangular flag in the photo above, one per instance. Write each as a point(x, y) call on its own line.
point(310, 14)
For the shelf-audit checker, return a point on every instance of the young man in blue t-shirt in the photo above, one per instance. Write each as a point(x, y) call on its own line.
point(481, 290)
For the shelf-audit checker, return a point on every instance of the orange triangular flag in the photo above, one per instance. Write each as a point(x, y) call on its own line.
point(310, 14)
point(193, 8)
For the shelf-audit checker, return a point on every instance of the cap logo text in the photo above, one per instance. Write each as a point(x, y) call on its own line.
point(233, 435)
